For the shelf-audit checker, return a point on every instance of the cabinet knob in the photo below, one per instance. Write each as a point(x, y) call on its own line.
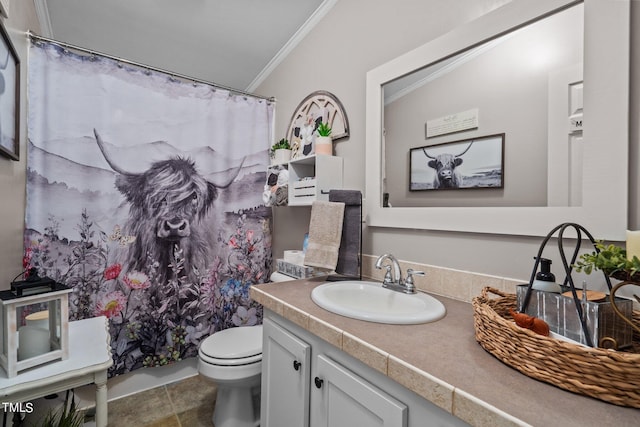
point(296, 365)
point(318, 382)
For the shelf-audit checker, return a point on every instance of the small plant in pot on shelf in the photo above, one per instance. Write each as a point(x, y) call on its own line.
point(612, 260)
point(324, 143)
point(281, 151)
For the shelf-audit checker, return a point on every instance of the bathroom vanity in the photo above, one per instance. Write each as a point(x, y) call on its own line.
point(308, 382)
point(320, 367)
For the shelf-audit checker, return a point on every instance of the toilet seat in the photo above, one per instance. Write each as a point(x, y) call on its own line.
point(232, 359)
point(233, 347)
point(230, 362)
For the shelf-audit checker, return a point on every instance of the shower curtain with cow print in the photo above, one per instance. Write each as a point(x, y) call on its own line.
point(144, 194)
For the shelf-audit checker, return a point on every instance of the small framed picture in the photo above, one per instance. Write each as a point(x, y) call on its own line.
point(9, 97)
point(464, 164)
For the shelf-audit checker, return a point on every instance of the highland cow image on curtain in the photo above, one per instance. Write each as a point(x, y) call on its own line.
point(144, 194)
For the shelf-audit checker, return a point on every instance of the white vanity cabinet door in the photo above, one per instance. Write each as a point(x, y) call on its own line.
point(340, 398)
point(286, 370)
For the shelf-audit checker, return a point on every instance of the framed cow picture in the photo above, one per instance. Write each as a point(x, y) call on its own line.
point(456, 165)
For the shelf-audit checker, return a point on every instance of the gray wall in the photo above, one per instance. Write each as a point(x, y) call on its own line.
point(634, 123)
point(22, 17)
point(357, 36)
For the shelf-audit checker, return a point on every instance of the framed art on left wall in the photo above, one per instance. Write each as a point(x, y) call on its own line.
point(9, 97)
point(4, 8)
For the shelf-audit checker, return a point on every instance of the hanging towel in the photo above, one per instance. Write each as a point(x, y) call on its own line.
point(325, 231)
point(349, 256)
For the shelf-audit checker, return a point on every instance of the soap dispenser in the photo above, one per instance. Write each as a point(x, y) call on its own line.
point(545, 279)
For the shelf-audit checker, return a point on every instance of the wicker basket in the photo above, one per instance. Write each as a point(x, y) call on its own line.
point(608, 375)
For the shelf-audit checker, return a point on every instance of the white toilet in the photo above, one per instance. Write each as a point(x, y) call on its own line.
point(232, 358)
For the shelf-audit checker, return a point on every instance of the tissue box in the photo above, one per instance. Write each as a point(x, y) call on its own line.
point(294, 270)
point(560, 314)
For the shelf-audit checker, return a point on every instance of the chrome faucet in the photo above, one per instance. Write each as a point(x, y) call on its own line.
point(390, 279)
point(394, 280)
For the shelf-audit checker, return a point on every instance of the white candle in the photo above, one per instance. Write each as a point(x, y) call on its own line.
point(633, 244)
point(39, 319)
point(32, 341)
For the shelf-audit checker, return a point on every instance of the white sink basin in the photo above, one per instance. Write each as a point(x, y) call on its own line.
point(371, 302)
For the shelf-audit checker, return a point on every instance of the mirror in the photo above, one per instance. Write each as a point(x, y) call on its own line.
point(558, 166)
point(499, 87)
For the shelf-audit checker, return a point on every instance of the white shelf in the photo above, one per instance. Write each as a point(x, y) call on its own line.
point(311, 178)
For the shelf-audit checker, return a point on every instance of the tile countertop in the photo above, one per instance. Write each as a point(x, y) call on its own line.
point(443, 363)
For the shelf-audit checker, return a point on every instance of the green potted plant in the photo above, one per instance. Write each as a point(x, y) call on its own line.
point(281, 151)
point(68, 415)
point(612, 260)
point(324, 143)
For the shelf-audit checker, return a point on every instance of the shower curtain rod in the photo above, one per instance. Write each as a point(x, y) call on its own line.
point(148, 67)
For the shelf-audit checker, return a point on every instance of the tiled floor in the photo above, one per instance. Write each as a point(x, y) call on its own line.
point(186, 403)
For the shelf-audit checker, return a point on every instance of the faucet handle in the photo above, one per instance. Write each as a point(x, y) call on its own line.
point(388, 278)
point(412, 272)
point(409, 282)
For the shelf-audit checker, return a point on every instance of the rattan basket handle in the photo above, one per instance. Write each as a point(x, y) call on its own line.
point(612, 298)
point(488, 289)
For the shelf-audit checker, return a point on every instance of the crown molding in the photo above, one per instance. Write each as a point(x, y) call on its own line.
point(304, 29)
point(42, 13)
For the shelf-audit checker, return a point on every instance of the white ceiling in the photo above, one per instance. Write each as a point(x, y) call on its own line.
point(233, 43)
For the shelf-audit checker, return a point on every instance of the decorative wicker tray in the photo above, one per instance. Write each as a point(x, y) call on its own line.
point(608, 375)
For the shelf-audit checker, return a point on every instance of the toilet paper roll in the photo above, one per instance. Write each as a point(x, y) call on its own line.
point(294, 257)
